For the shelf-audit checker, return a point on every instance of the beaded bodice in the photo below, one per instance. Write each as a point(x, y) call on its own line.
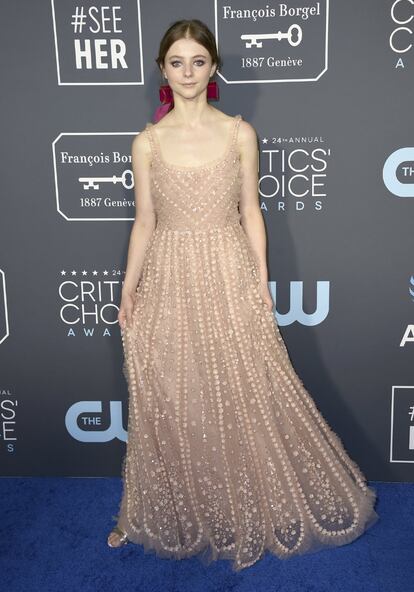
point(196, 197)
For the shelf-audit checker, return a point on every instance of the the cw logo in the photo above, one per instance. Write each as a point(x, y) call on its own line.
point(400, 160)
point(92, 408)
point(296, 312)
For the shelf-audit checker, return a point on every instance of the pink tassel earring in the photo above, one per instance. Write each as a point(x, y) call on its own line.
point(167, 98)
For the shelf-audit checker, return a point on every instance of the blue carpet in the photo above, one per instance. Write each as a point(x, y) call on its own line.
point(54, 530)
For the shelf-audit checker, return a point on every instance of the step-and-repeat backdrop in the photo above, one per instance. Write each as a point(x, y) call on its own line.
point(329, 88)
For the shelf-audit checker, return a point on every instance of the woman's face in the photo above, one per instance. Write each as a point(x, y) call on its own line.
point(188, 67)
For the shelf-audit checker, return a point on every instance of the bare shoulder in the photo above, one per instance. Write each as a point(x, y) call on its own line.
point(247, 142)
point(141, 147)
point(247, 133)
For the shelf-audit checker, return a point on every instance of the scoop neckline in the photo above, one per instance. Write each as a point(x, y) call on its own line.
point(208, 164)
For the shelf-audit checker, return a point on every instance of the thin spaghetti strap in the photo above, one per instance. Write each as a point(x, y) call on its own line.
point(237, 119)
point(151, 138)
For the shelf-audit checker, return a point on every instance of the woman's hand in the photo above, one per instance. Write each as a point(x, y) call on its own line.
point(265, 294)
point(125, 310)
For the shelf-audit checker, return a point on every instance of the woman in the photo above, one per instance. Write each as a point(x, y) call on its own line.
point(227, 454)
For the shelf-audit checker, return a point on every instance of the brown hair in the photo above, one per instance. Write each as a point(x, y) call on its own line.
point(190, 29)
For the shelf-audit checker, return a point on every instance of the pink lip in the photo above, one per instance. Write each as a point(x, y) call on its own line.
point(189, 84)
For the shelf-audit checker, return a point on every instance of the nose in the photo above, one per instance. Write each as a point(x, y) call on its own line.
point(188, 71)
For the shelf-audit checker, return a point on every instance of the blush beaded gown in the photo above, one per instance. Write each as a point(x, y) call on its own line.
point(227, 454)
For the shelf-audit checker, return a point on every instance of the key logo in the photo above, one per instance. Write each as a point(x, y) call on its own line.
point(264, 42)
point(293, 36)
point(93, 176)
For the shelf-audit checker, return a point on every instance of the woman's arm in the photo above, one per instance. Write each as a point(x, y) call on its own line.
point(145, 219)
point(251, 217)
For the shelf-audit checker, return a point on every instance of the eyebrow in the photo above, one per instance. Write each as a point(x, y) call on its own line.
point(196, 56)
